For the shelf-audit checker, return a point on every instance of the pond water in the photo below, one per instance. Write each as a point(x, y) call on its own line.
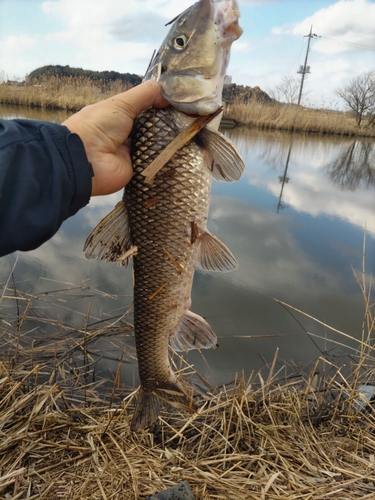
point(295, 222)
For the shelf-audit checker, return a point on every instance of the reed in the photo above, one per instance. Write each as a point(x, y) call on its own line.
point(296, 119)
point(69, 93)
point(307, 436)
point(73, 93)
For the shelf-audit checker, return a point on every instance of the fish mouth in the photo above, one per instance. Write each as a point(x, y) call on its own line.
point(191, 94)
point(226, 16)
point(191, 64)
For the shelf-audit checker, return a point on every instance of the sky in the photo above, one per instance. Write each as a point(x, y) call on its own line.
point(121, 35)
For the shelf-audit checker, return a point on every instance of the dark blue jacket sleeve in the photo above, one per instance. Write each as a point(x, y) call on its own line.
point(45, 178)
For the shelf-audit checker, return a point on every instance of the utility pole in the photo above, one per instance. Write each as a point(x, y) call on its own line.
point(303, 70)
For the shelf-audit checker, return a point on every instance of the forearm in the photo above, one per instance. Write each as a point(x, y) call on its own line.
point(45, 178)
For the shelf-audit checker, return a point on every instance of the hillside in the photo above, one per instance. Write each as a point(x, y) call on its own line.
point(231, 92)
point(243, 93)
point(67, 71)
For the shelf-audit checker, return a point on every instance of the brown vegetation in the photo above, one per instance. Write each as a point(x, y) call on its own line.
point(261, 437)
point(69, 93)
point(250, 107)
point(297, 119)
point(46, 72)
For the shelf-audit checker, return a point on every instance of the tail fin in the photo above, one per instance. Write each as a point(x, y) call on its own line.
point(149, 404)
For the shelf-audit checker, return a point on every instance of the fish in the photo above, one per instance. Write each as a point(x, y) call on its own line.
point(161, 225)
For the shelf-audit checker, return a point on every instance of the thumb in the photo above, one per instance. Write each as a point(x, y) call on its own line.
point(137, 99)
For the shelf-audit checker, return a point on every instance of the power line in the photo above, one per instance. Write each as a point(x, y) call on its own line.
point(356, 45)
point(346, 31)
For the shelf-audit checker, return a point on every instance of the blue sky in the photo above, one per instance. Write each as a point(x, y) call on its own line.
point(122, 34)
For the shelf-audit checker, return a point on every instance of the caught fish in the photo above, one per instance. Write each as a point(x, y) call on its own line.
point(161, 225)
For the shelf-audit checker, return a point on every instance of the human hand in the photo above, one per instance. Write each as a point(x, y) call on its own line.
point(104, 129)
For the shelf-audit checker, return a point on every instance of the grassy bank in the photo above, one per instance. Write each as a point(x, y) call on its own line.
point(308, 436)
point(72, 93)
point(69, 93)
point(297, 119)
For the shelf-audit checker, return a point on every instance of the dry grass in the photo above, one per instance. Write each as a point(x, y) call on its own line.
point(69, 93)
point(297, 119)
point(262, 437)
point(73, 93)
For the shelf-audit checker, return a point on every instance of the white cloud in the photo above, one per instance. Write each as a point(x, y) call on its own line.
point(122, 36)
point(345, 31)
point(345, 26)
point(18, 43)
point(80, 13)
point(17, 55)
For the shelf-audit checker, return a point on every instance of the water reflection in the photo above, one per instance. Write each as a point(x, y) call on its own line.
point(354, 167)
point(295, 223)
point(316, 168)
point(11, 111)
point(284, 179)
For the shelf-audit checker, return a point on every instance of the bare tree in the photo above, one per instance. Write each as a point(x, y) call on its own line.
point(359, 95)
point(286, 90)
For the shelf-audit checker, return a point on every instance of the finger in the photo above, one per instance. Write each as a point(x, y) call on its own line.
point(120, 168)
point(139, 98)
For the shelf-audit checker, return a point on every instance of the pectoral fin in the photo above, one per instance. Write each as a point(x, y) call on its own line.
point(111, 240)
point(193, 333)
point(224, 161)
point(213, 255)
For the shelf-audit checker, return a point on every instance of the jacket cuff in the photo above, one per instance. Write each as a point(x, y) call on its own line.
point(82, 171)
point(79, 169)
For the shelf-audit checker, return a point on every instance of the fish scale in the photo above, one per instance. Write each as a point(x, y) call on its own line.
point(165, 225)
point(161, 226)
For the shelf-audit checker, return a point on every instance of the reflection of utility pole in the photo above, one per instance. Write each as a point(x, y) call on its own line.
point(303, 70)
point(284, 179)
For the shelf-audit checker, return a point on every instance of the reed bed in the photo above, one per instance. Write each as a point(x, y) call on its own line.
point(73, 93)
point(62, 435)
point(297, 119)
point(68, 93)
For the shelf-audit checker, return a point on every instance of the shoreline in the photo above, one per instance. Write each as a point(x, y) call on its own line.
point(296, 119)
point(261, 433)
point(72, 94)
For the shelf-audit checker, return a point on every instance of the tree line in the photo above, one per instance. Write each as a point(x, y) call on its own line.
point(66, 71)
point(358, 95)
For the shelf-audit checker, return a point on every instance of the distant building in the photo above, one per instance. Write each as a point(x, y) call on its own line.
point(228, 79)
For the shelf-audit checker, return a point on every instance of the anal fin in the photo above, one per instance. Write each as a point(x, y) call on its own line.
point(193, 332)
point(111, 240)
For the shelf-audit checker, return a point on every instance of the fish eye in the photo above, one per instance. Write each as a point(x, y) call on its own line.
point(180, 42)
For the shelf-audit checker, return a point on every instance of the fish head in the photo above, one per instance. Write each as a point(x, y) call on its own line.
point(191, 63)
